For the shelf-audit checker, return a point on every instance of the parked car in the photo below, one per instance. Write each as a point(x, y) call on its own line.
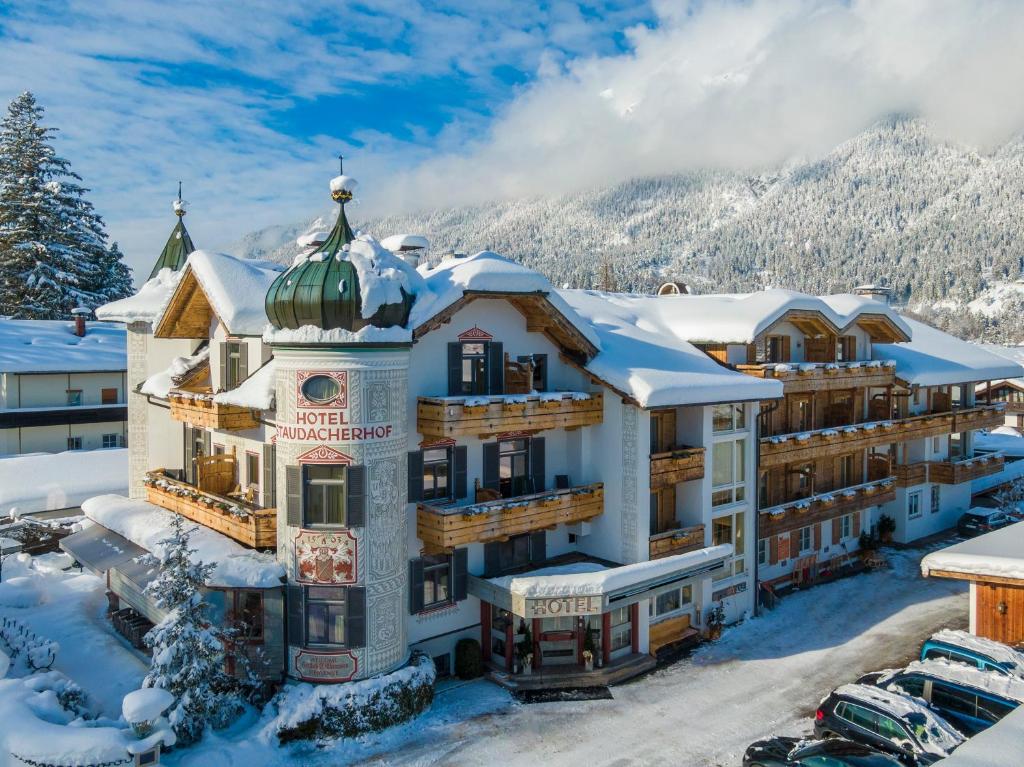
point(889, 721)
point(964, 647)
point(798, 752)
point(977, 521)
point(972, 699)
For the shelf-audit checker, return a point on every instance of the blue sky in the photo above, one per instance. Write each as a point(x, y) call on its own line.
point(444, 103)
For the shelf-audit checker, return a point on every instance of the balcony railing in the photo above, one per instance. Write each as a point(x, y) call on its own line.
point(824, 376)
point(678, 465)
point(199, 409)
point(676, 541)
point(236, 518)
point(823, 443)
point(816, 508)
point(452, 417)
point(956, 472)
point(910, 474)
point(443, 528)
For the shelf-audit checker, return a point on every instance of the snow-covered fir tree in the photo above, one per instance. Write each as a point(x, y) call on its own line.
point(53, 247)
point(188, 653)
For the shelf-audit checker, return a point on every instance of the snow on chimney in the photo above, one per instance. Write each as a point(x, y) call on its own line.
point(880, 293)
point(80, 314)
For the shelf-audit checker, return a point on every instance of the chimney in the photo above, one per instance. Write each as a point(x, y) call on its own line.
point(880, 293)
point(80, 314)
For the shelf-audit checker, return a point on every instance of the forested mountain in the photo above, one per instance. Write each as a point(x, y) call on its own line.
point(938, 222)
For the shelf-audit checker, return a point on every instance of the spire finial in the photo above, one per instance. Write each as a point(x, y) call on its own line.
point(179, 205)
point(341, 165)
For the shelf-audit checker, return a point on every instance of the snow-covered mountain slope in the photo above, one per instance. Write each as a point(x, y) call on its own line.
point(939, 222)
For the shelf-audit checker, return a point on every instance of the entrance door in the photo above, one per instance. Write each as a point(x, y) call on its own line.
point(558, 641)
point(1000, 612)
point(501, 638)
point(513, 468)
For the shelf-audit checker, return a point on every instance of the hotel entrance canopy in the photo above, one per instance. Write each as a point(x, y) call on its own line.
point(591, 588)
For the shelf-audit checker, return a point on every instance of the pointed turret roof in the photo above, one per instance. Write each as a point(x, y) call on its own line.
point(179, 244)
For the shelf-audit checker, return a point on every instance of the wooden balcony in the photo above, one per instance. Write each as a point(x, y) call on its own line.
point(443, 528)
point(957, 472)
point(910, 474)
point(199, 409)
point(484, 416)
point(242, 521)
point(679, 465)
point(817, 508)
point(799, 377)
point(824, 443)
point(676, 541)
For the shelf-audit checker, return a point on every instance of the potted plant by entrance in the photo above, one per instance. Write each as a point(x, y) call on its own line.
point(886, 527)
point(589, 648)
point(524, 650)
point(588, 660)
point(715, 621)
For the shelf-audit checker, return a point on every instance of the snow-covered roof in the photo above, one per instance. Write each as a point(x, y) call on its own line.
point(1002, 439)
point(145, 525)
point(160, 384)
point(51, 346)
point(236, 288)
point(934, 358)
point(48, 481)
point(739, 318)
point(147, 305)
point(1012, 353)
point(999, 553)
point(942, 737)
point(595, 579)
point(397, 242)
point(486, 272)
point(644, 353)
point(1001, 745)
point(1009, 687)
point(256, 391)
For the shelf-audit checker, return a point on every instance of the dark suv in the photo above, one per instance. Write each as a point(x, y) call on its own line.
point(888, 721)
point(797, 752)
point(978, 521)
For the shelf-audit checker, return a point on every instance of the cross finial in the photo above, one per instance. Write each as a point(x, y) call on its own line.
point(341, 164)
point(179, 190)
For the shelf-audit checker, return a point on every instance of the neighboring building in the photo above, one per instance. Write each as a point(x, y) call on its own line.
point(431, 454)
point(1010, 390)
point(62, 386)
point(993, 563)
point(58, 483)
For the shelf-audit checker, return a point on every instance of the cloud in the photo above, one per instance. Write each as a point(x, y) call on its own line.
point(743, 85)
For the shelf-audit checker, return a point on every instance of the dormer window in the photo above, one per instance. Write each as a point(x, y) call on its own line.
point(773, 349)
point(233, 364)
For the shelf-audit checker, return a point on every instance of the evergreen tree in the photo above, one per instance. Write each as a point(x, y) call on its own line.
point(117, 276)
point(188, 653)
point(53, 248)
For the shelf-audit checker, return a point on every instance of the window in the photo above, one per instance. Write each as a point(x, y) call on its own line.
point(325, 615)
point(437, 571)
point(729, 529)
point(936, 444)
point(74, 397)
point(320, 389)
point(540, 370)
point(762, 551)
point(912, 685)
point(847, 469)
point(846, 348)
point(936, 499)
point(515, 552)
point(846, 526)
point(474, 368)
point(108, 396)
point(513, 468)
point(74, 443)
point(857, 715)
point(325, 495)
point(775, 348)
point(803, 414)
point(914, 505)
point(110, 440)
point(671, 602)
point(252, 470)
point(992, 710)
point(234, 364)
point(728, 471)
point(806, 540)
point(728, 417)
point(247, 613)
point(437, 472)
point(621, 630)
point(218, 450)
point(890, 729)
point(947, 698)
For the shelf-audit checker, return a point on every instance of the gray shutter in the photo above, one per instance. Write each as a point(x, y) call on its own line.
point(355, 605)
point(296, 616)
point(491, 479)
point(293, 494)
point(190, 449)
point(243, 361)
point(537, 464)
point(538, 547)
point(495, 368)
point(492, 559)
point(415, 476)
point(460, 574)
point(355, 503)
point(269, 476)
point(454, 369)
point(461, 459)
point(415, 586)
point(223, 365)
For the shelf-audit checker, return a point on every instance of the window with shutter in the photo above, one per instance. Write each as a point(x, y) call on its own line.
point(460, 574)
point(491, 476)
point(537, 464)
point(538, 546)
point(415, 586)
point(293, 495)
point(496, 368)
point(269, 476)
point(461, 459)
point(356, 496)
point(415, 476)
point(296, 616)
point(356, 599)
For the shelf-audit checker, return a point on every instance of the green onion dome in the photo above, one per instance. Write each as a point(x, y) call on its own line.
point(323, 288)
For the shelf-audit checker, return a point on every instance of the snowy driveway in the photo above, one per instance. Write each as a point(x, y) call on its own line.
point(762, 677)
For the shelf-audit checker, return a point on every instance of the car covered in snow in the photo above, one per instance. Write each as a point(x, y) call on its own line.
point(978, 521)
point(972, 699)
point(798, 752)
point(889, 721)
point(973, 650)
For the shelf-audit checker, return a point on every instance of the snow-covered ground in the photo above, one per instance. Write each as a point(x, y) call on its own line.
point(764, 676)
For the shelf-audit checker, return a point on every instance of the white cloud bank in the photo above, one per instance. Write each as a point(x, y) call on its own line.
point(744, 85)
